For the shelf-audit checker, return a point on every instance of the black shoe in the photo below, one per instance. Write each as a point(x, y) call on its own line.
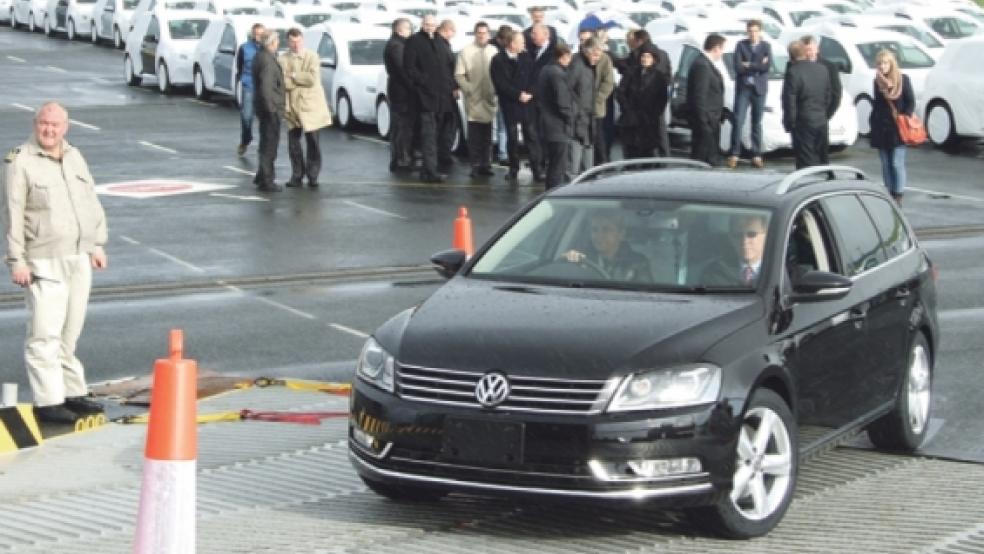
point(241, 149)
point(83, 406)
point(430, 178)
point(294, 184)
point(512, 176)
point(270, 188)
point(487, 171)
point(55, 414)
point(313, 184)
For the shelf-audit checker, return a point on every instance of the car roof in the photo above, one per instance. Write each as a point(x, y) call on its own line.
point(715, 185)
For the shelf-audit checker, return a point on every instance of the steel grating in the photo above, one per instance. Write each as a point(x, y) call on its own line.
point(267, 487)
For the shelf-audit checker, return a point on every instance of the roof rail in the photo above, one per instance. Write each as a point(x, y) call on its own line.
point(640, 163)
point(788, 182)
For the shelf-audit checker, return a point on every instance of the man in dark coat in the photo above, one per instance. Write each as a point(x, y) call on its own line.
point(643, 95)
point(812, 52)
point(541, 50)
point(580, 75)
point(511, 70)
point(271, 100)
point(555, 111)
point(398, 94)
point(427, 67)
point(538, 16)
point(705, 96)
point(446, 121)
point(806, 96)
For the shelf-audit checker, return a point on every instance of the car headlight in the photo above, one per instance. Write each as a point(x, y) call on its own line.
point(376, 365)
point(668, 388)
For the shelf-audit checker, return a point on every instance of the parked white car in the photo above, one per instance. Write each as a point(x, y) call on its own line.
point(28, 13)
point(854, 52)
point(71, 17)
point(351, 60)
point(789, 14)
point(239, 7)
point(953, 100)
point(111, 21)
point(914, 28)
point(215, 57)
point(949, 23)
point(684, 48)
point(6, 11)
point(162, 43)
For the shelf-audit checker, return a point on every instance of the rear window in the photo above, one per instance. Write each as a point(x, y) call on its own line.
point(187, 29)
point(367, 52)
point(922, 36)
point(860, 245)
point(309, 19)
point(894, 235)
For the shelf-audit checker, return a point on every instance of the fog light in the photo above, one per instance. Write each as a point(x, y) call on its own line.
point(365, 439)
point(641, 470)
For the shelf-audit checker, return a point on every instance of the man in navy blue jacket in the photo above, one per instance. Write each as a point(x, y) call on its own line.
point(752, 60)
point(244, 75)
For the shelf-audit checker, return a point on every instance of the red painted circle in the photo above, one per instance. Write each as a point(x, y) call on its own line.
point(150, 187)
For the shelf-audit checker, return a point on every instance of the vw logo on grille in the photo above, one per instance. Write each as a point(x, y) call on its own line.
point(492, 389)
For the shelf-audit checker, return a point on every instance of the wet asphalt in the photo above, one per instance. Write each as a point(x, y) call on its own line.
point(291, 283)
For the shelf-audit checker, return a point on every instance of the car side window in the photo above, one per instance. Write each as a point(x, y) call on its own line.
point(834, 52)
point(774, 14)
point(686, 60)
point(228, 41)
point(860, 246)
point(110, 7)
point(327, 51)
point(153, 31)
point(809, 246)
point(893, 232)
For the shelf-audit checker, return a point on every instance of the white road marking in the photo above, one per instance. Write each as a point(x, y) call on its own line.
point(157, 147)
point(371, 209)
point(176, 260)
point(238, 170)
point(129, 240)
point(55, 69)
point(16, 59)
point(22, 107)
point(240, 197)
point(276, 304)
point(957, 196)
point(103, 81)
point(85, 125)
point(371, 139)
point(200, 102)
point(349, 330)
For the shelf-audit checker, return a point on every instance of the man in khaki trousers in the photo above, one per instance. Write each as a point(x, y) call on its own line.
point(55, 230)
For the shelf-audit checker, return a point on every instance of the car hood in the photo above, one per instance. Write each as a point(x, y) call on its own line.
point(572, 333)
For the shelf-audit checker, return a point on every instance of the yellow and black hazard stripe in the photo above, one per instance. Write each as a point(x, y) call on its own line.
point(18, 428)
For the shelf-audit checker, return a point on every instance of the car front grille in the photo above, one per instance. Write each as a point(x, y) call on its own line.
point(527, 394)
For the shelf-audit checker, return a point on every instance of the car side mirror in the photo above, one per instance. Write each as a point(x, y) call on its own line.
point(449, 262)
point(820, 286)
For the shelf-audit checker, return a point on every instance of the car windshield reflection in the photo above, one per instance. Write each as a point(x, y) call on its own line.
point(632, 244)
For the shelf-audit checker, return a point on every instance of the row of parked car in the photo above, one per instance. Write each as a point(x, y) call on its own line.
point(194, 43)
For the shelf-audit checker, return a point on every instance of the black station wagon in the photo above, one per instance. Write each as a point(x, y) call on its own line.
point(657, 333)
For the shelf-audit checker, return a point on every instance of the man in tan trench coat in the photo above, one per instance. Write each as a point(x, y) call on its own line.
point(473, 76)
point(307, 111)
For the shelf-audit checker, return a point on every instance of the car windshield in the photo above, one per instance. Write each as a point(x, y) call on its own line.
point(641, 18)
point(952, 27)
point(86, 1)
point(972, 13)
point(419, 12)
point(777, 65)
point(909, 56)
point(367, 52)
point(130, 4)
point(928, 40)
point(187, 29)
point(799, 17)
point(241, 10)
point(636, 244)
point(309, 19)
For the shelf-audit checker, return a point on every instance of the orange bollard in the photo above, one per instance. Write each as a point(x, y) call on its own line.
point(166, 518)
point(462, 239)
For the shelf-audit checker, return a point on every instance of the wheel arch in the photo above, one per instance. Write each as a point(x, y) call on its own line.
point(778, 381)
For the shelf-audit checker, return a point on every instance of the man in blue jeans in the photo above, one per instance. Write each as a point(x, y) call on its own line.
point(244, 76)
point(752, 58)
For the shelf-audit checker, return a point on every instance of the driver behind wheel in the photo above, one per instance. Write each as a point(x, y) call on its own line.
point(610, 253)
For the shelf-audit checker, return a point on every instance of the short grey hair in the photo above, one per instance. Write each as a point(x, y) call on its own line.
point(269, 37)
point(50, 104)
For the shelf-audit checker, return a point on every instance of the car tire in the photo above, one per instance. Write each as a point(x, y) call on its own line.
point(131, 77)
point(163, 79)
point(117, 38)
point(70, 30)
point(201, 92)
point(727, 124)
point(940, 126)
point(343, 110)
point(906, 426)
point(404, 493)
point(384, 118)
point(767, 461)
point(863, 106)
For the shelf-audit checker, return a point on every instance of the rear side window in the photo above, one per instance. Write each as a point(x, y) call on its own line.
point(858, 241)
point(894, 235)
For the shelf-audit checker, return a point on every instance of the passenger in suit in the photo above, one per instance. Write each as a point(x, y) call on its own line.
point(748, 233)
point(705, 96)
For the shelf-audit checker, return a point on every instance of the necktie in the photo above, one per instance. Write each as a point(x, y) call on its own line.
point(748, 275)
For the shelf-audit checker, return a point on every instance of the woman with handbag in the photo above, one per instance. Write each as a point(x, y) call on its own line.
point(893, 98)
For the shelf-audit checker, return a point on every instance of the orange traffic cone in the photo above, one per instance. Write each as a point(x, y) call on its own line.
point(166, 520)
point(462, 239)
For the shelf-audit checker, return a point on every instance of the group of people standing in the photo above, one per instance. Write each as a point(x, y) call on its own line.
point(285, 88)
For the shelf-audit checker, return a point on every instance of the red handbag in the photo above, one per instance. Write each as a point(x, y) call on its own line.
point(911, 128)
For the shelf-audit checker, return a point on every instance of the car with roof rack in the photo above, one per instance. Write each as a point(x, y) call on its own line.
point(661, 335)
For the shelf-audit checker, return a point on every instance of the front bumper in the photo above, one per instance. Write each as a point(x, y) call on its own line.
point(410, 444)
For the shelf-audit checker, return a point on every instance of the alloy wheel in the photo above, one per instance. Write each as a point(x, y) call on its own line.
point(764, 464)
point(919, 390)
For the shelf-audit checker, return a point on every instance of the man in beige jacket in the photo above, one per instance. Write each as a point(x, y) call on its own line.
point(474, 78)
point(307, 111)
point(55, 229)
